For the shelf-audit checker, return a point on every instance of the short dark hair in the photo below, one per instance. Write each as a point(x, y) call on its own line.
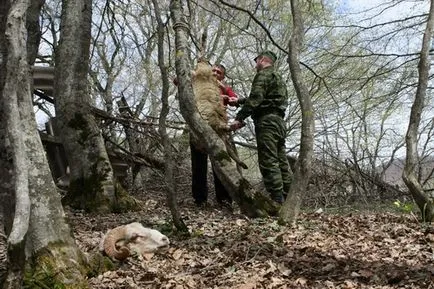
point(221, 66)
point(269, 54)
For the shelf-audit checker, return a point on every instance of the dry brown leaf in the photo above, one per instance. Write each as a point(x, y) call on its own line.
point(148, 256)
point(284, 270)
point(205, 262)
point(177, 254)
point(366, 250)
point(301, 281)
point(247, 286)
point(240, 222)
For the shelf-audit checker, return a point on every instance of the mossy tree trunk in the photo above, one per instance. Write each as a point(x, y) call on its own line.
point(92, 185)
point(303, 167)
point(38, 235)
point(422, 199)
point(252, 203)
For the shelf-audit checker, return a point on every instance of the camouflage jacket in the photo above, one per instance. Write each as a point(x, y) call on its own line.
point(267, 96)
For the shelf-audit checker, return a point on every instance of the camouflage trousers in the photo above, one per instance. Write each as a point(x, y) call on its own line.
point(272, 159)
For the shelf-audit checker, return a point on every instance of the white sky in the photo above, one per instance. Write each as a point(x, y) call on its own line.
point(385, 9)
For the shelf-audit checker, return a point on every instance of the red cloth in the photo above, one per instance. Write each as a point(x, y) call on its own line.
point(230, 93)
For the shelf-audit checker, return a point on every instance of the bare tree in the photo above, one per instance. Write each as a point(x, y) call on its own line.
point(92, 184)
point(38, 235)
point(423, 201)
point(251, 202)
point(169, 163)
point(302, 172)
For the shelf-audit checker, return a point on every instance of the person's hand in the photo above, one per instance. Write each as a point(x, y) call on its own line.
point(236, 125)
point(225, 99)
point(221, 84)
point(232, 101)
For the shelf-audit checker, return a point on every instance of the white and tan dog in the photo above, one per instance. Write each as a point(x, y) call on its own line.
point(120, 242)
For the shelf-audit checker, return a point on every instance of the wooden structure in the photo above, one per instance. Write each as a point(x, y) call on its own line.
point(43, 86)
point(43, 79)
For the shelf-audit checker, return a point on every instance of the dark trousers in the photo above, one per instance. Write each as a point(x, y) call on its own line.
point(199, 169)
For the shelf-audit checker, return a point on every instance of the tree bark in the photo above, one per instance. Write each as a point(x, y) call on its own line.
point(6, 166)
point(168, 154)
point(17, 71)
point(252, 203)
point(39, 235)
point(33, 29)
point(92, 185)
point(423, 200)
point(303, 167)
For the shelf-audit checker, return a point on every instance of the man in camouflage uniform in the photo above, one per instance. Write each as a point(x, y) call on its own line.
point(266, 105)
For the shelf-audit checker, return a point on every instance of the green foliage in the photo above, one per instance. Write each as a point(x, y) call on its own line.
point(167, 228)
point(404, 207)
point(197, 233)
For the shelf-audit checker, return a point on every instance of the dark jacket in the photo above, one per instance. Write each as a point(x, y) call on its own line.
point(267, 96)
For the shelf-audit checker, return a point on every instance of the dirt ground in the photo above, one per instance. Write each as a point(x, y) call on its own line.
point(228, 250)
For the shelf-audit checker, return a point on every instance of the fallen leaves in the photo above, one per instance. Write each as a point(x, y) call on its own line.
point(322, 251)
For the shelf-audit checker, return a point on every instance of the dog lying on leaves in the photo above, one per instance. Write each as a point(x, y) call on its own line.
point(124, 241)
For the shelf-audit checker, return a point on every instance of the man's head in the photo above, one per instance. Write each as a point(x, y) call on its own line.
point(219, 71)
point(265, 59)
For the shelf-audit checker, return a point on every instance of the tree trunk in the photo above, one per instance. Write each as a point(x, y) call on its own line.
point(423, 200)
point(168, 155)
point(136, 143)
point(252, 203)
point(92, 185)
point(17, 71)
point(39, 235)
point(33, 29)
point(6, 165)
point(303, 168)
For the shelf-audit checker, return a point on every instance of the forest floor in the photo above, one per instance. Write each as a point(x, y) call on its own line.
point(361, 249)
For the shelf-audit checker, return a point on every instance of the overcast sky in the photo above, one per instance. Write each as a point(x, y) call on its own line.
point(385, 9)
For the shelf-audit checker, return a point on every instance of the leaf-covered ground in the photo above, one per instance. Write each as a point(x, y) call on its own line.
point(227, 250)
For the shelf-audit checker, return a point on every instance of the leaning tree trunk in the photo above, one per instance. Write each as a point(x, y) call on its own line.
point(423, 201)
point(39, 239)
point(252, 202)
point(303, 168)
point(92, 185)
point(169, 163)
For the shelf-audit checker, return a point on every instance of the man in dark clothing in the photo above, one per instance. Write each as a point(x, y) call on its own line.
point(266, 105)
point(199, 158)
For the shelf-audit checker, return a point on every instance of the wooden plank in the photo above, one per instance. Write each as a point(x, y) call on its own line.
point(43, 79)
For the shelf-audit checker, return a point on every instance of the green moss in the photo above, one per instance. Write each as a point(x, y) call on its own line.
point(124, 201)
point(87, 192)
point(80, 123)
point(99, 264)
point(257, 205)
point(58, 266)
point(222, 155)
